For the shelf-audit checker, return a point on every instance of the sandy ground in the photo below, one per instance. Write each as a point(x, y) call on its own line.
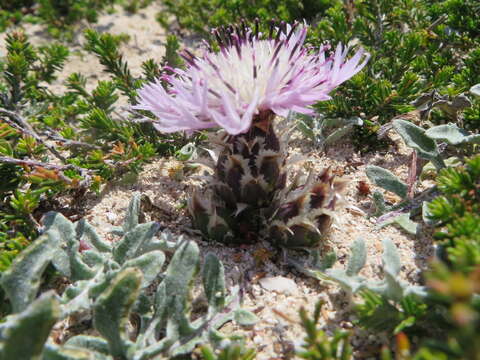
point(168, 183)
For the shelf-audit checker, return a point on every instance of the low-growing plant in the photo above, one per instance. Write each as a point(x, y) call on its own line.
point(456, 212)
point(59, 16)
point(84, 131)
point(390, 304)
point(427, 144)
point(112, 284)
point(317, 345)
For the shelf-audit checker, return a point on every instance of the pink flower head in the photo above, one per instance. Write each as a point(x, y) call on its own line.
point(250, 74)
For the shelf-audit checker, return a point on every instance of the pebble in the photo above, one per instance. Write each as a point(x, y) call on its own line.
point(279, 284)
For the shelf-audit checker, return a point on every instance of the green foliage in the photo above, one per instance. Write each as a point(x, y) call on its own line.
point(457, 213)
point(82, 130)
point(39, 316)
point(59, 16)
point(390, 304)
point(425, 143)
point(407, 60)
point(115, 283)
point(324, 132)
point(317, 345)
point(201, 16)
point(231, 352)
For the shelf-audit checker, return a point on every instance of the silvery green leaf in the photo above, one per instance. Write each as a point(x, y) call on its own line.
point(214, 283)
point(130, 245)
point(22, 279)
point(322, 263)
point(306, 130)
point(150, 264)
point(394, 287)
point(385, 179)
point(452, 134)
point(78, 296)
point(403, 220)
point(76, 269)
point(133, 212)
point(245, 318)
point(338, 134)
point(54, 220)
point(414, 136)
point(187, 152)
point(390, 258)
point(85, 230)
point(351, 284)
point(358, 257)
point(94, 343)
point(54, 352)
point(379, 202)
point(178, 279)
point(24, 334)
point(112, 309)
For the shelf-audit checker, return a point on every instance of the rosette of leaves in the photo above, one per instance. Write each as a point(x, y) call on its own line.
point(112, 283)
point(427, 144)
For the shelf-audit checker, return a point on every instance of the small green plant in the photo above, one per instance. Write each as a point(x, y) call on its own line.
point(425, 143)
point(112, 283)
point(456, 212)
point(90, 139)
point(317, 345)
point(324, 132)
point(390, 304)
point(59, 16)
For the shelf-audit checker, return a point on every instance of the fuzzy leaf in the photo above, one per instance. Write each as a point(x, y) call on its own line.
point(150, 264)
point(24, 334)
point(112, 309)
point(214, 283)
point(53, 352)
point(403, 220)
point(351, 284)
point(76, 269)
point(178, 279)
point(385, 179)
point(390, 258)
point(379, 202)
point(22, 280)
point(415, 137)
point(89, 342)
point(358, 257)
point(133, 211)
point(130, 245)
point(84, 229)
point(245, 318)
point(452, 134)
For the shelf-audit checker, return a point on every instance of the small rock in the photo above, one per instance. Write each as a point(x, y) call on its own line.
point(111, 217)
point(279, 284)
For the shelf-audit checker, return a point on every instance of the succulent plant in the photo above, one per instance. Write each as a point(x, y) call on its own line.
point(113, 283)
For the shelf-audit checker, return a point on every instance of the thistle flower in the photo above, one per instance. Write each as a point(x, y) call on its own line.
point(240, 89)
point(250, 75)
